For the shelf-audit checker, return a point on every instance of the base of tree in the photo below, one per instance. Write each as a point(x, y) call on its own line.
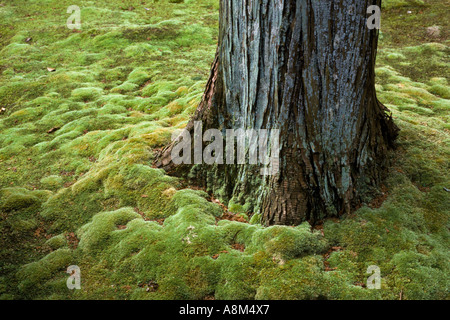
point(307, 70)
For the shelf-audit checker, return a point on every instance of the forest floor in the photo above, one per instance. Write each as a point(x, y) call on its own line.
point(82, 113)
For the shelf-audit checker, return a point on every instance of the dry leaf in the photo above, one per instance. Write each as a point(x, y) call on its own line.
point(53, 130)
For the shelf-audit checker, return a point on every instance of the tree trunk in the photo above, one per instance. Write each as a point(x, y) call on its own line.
point(306, 68)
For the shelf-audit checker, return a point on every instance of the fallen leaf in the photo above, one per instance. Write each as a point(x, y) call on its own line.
point(53, 130)
point(51, 69)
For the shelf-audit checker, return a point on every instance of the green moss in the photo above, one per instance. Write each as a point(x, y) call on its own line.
point(288, 243)
point(299, 279)
point(442, 91)
point(402, 3)
point(52, 182)
point(255, 219)
point(57, 242)
point(18, 198)
point(125, 87)
point(235, 207)
point(90, 130)
point(33, 276)
point(94, 235)
point(86, 94)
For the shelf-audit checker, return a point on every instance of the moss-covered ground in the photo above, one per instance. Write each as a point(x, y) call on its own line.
point(78, 139)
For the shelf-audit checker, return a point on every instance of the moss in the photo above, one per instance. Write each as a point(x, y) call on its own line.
point(94, 235)
point(18, 198)
point(415, 268)
point(111, 108)
point(139, 76)
point(117, 95)
point(402, 3)
point(235, 207)
point(86, 94)
point(442, 91)
point(52, 182)
point(125, 87)
point(57, 242)
point(285, 243)
point(237, 278)
point(33, 276)
point(255, 219)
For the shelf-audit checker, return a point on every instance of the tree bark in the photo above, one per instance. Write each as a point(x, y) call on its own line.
point(305, 67)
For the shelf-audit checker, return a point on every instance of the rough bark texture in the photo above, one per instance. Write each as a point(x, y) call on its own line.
point(305, 67)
